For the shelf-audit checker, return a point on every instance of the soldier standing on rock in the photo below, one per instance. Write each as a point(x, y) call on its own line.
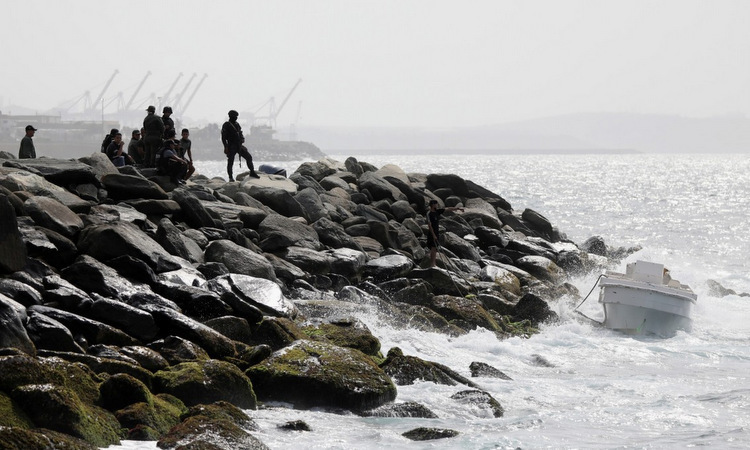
point(232, 138)
point(433, 222)
point(153, 127)
point(27, 150)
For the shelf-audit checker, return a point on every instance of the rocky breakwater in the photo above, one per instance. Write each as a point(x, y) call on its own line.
point(134, 308)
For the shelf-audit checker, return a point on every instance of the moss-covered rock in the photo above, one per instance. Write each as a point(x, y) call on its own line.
point(206, 382)
point(405, 370)
point(203, 433)
point(276, 332)
point(348, 332)
point(428, 434)
point(59, 408)
point(310, 374)
point(466, 313)
point(480, 399)
point(147, 419)
point(13, 438)
point(222, 410)
point(121, 390)
point(11, 415)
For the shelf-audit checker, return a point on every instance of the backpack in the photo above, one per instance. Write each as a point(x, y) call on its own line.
point(105, 143)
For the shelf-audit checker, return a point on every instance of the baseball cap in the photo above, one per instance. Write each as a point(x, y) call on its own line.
point(29, 127)
point(151, 108)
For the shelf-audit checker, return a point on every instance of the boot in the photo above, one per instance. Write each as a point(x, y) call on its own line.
point(253, 174)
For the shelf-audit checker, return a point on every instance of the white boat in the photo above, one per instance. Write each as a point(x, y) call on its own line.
point(645, 300)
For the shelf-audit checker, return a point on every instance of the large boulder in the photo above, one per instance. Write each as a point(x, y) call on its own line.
point(260, 293)
point(317, 374)
point(105, 242)
point(37, 185)
point(50, 213)
point(125, 187)
point(12, 247)
point(240, 259)
point(209, 381)
point(62, 172)
point(279, 200)
point(12, 331)
point(278, 232)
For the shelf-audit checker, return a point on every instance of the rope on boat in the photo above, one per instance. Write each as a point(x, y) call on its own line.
point(586, 298)
point(592, 290)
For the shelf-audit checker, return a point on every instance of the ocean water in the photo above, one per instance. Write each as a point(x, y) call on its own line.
point(603, 390)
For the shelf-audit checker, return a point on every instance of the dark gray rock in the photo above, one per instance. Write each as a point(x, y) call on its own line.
point(481, 400)
point(135, 321)
point(406, 409)
point(240, 259)
point(278, 232)
point(94, 331)
point(12, 247)
point(405, 370)
point(279, 200)
point(105, 242)
point(50, 213)
point(49, 334)
point(12, 332)
point(480, 369)
point(260, 293)
point(194, 212)
point(311, 202)
point(388, 267)
point(428, 434)
point(125, 187)
point(534, 309)
point(20, 292)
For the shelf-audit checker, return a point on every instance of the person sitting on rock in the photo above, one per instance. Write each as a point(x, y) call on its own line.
point(169, 162)
point(115, 153)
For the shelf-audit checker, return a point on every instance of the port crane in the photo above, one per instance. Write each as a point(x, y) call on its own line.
point(274, 112)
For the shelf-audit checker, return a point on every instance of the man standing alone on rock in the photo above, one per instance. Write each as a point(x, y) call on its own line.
point(153, 127)
point(433, 222)
point(232, 138)
point(27, 149)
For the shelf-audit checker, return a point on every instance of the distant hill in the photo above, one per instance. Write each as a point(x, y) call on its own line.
point(591, 132)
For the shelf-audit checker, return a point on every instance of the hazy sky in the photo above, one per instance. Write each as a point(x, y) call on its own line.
point(386, 63)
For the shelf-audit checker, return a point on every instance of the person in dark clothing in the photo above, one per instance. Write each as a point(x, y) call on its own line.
point(186, 152)
point(136, 149)
point(108, 139)
point(232, 138)
point(433, 223)
point(169, 131)
point(153, 127)
point(116, 154)
point(170, 163)
point(27, 150)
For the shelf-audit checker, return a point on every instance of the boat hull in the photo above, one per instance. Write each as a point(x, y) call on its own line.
point(634, 307)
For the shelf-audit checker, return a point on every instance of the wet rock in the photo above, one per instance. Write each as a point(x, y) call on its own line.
point(481, 400)
point(333, 234)
point(50, 213)
point(388, 267)
point(60, 409)
point(296, 425)
point(260, 293)
point(428, 434)
point(193, 211)
point(20, 292)
point(312, 204)
point(201, 432)
point(595, 245)
point(12, 331)
point(406, 409)
point(20, 438)
point(533, 308)
point(148, 420)
point(174, 323)
point(137, 322)
point(176, 350)
point(49, 334)
point(199, 382)
point(405, 370)
point(279, 200)
point(145, 357)
point(94, 331)
point(316, 374)
point(347, 332)
point(480, 369)
point(542, 268)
